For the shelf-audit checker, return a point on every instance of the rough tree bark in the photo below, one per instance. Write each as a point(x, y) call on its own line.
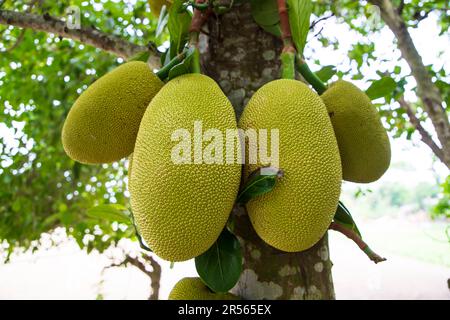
point(428, 92)
point(241, 57)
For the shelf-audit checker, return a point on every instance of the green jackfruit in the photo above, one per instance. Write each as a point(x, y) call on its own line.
point(363, 142)
point(102, 125)
point(181, 209)
point(195, 289)
point(298, 211)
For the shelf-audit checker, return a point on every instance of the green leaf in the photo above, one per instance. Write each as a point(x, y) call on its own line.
point(259, 182)
point(184, 66)
point(178, 70)
point(299, 15)
point(162, 21)
point(326, 73)
point(381, 88)
point(220, 267)
point(275, 29)
point(265, 12)
point(343, 216)
point(178, 25)
point(110, 212)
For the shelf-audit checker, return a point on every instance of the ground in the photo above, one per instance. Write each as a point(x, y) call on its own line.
point(418, 267)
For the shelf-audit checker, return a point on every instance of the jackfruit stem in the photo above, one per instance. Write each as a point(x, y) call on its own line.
point(309, 76)
point(288, 65)
point(198, 20)
point(352, 235)
point(163, 73)
point(288, 55)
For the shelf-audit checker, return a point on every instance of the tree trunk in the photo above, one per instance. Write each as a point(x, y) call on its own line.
point(241, 57)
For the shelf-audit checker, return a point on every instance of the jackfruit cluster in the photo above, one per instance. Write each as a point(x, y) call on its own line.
point(195, 289)
point(180, 208)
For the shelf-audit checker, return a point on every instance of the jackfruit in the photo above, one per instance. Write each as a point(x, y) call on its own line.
point(195, 289)
point(102, 125)
point(179, 208)
point(363, 142)
point(156, 6)
point(298, 211)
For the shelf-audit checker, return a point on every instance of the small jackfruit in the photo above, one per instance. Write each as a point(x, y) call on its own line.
point(102, 124)
point(363, 141)
point(195, 289)
point(182, 208)
point(156, 6)
point(298, 211)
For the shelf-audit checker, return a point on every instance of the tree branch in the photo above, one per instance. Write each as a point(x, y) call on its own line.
point(426, 137)
point(315, 22)
point(428, 92)
point(86, 35)
point(154, 274)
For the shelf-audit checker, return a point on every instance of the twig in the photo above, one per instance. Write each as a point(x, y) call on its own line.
point(154, 274)
point(199, 18)
point(400, 7)
point(361, 244)
point(18, 41)
point(425, 136)
point(314, 23)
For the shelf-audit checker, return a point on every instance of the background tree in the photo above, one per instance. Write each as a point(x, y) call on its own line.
point(45, 66)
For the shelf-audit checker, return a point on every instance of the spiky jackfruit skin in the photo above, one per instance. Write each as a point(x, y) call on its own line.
point(195, 289)
point(181, 209)
point(102, 124)
point(363, 142)
point(298, 211)
point(156, 6)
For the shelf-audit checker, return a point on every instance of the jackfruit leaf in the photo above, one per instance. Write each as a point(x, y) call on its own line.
point(165, 57)
point(162, 21)
point(184, 66)
point(140, 56)
point(381, 88)
point(110, 212)
point(178, 26)
point(221, 266)
point(326, 73)
point(265, 12)
point(260, 181)
point(343, 217)
point(275, 29)
point(299, 15)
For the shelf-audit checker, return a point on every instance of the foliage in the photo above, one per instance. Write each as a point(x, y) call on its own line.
point(442, 209)
point(364, 22)
point(41, 188)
